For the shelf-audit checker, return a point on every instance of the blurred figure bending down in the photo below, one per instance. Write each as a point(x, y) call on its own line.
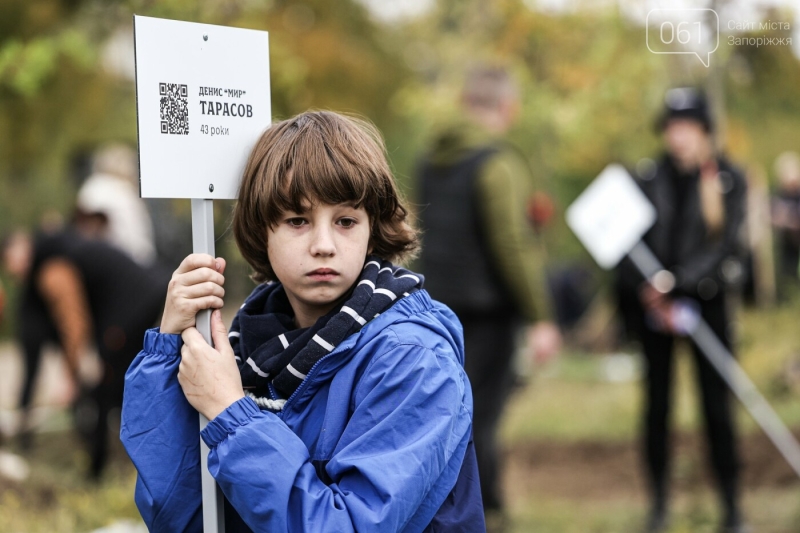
point(699, 199)
point(786, 217)
point(81, 292)
point(480, 257)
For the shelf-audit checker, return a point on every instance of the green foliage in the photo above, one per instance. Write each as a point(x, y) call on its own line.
point(24, 68)
point(591, 89)
point(58, 100)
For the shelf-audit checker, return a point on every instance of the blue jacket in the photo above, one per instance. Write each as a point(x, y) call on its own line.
point(374, 439)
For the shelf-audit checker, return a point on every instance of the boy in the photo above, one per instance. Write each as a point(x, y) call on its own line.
point(340, 402)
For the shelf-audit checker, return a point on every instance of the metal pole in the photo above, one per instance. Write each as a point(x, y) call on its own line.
point(644, 259)
point(730, 370)
point(748, 394)
point(203, 243)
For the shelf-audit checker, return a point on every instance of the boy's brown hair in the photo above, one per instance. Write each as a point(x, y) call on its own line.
point(319, 157)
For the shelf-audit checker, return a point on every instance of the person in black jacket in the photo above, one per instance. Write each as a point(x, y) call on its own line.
point(481, 256)
point(699, 199)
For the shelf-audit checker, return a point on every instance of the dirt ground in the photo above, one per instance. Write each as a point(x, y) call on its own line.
point(581, 472)
point(600, 470)
point(611, 470)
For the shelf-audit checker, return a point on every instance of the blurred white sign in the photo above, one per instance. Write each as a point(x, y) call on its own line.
point(611, 216)
point(202, 100)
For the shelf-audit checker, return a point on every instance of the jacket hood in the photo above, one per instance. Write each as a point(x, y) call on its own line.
point(423, 320)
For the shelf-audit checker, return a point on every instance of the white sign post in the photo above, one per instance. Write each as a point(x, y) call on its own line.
point(202, 101)
point(610, 218)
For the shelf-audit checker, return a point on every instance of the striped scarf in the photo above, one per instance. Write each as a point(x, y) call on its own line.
point(271, 351)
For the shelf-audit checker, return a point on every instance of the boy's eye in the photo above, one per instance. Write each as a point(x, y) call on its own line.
point(296, 222)
point(347, 222)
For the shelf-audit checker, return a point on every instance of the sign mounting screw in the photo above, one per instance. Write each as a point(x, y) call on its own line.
point(211, 188)
point(205, 37)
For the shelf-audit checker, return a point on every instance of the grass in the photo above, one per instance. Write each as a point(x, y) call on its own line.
point(768, 511)
point(58, 499)
point(572, 402)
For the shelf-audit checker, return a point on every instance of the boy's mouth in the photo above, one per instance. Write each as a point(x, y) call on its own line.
point(322, 274)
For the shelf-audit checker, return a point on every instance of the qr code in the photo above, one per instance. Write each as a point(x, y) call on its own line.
point(174, 108)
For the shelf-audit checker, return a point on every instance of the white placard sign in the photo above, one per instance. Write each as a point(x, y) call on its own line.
point(611, 216)
point(202, 100)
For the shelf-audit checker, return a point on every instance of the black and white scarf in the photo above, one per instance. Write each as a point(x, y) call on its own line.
point(269, 348)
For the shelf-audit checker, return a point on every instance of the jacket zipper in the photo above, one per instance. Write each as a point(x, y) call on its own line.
point(304, 383)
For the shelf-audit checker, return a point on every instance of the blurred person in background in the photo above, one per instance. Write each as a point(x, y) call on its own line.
point(760, 272)
point(699, 199)
point(82, 294)
point(108, 206)
point(786, 218)
point(2, 315)
point(2, 301)
point(480, 257)
point(33, 328)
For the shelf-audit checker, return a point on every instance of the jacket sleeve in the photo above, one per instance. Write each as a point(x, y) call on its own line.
point(410, 423)
point(505, 186)
point(709, 262)
point(160, 432)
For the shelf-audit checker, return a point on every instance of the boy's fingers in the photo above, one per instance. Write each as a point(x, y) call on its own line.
point(200, 275)
point(209, 302)
point(191, 337)
point(219, 333)
point(199, 290)
point(220, 264)
point(217, 326)
point(195, 261)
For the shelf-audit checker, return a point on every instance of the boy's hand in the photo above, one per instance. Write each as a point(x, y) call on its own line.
point(209, 377)
point(195, 285)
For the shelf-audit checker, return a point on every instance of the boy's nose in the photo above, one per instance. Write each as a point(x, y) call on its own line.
point(322, 242)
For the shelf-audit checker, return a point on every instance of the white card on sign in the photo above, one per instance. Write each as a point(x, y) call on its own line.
point(202, 101)
point(611, 216)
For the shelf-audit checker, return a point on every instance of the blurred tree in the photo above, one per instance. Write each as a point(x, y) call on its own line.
point(591, 87)
point(60, 98)
point(592, 90)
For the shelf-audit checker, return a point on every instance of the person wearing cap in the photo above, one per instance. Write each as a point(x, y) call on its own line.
point(699, 198)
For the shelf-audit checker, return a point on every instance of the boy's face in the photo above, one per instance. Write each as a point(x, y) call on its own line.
point(318, 255)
